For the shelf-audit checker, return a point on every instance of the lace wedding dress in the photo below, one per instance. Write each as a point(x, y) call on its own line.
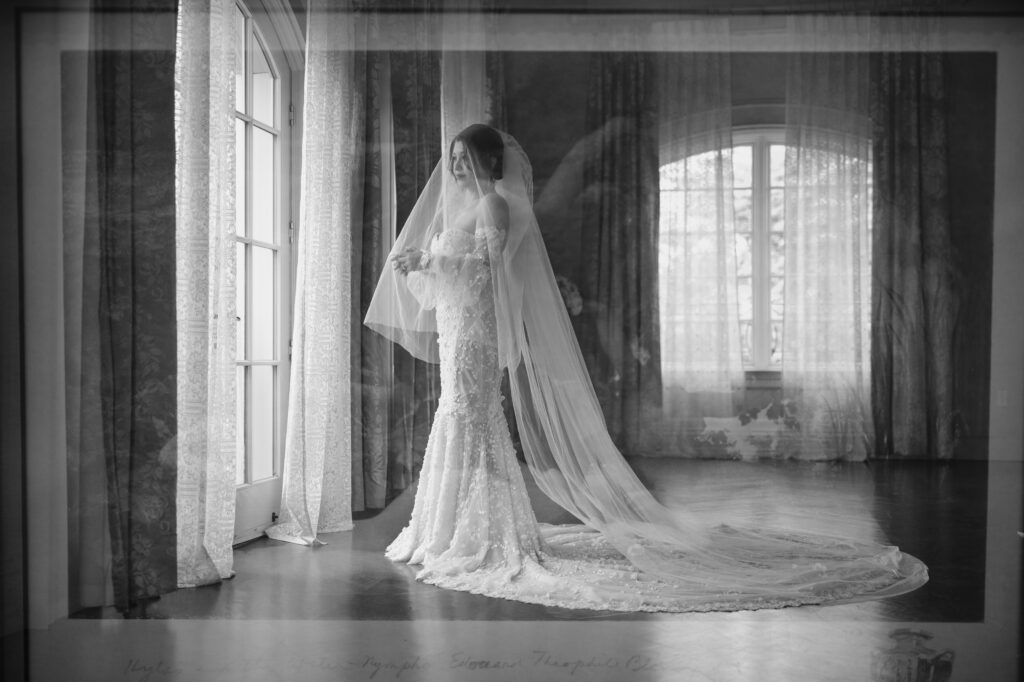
point(484, 299)
point(472, 525)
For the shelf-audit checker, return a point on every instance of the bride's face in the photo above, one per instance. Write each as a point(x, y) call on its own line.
point(468, 173)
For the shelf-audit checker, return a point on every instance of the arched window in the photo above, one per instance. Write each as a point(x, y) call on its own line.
point(759, 164)
point(759, 186)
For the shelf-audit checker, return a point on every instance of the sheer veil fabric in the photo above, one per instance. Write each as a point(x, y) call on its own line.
point(632, 553)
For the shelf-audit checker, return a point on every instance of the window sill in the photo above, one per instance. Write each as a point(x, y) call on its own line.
point(763, 379)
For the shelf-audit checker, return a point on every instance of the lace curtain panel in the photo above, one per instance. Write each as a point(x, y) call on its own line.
point(205, 273)
point(317, 482)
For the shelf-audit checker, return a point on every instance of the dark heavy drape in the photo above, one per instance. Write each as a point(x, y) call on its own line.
point(416, 107)
point(370, 353)
point(393, 405)
point(915, 303)
point(130, 199)
point(620, 231)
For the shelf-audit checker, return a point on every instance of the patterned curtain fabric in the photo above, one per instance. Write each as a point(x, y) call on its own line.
point(317, 483)
point(131, 187)
point(915, 295)
point(827, 232)
point(620, 215)
point(207, 396)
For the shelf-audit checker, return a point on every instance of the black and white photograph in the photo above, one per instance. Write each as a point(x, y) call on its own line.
point(487, 340)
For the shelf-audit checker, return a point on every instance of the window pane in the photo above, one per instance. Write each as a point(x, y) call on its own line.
point(262, 421)
point(702, 170)
point(239, 60)
point(703, 245)
point(670, 253)
point(778, 297)
point(701, 210)
point(743, 210)
point(776, 356)
point(745, 296)
point(744, 266)
point(778, 210)
point(777, 164)
point(746, 330)
point(262, 86)
point(742, 166)
point(778, 255)
point(672, 204)
point(240, 313)
point(672, 176)
point(240, 207)
point(262, 185)
point(262, 340)
point(240, 425)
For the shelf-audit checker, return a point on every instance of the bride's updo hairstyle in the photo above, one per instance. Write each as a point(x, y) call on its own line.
point(486, 146)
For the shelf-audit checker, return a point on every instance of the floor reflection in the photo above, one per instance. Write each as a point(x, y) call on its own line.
point(343, 612)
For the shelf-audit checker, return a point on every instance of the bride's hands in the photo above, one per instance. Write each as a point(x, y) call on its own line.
point(408, 260)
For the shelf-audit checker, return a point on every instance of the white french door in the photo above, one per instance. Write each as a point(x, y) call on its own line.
point(262, 200)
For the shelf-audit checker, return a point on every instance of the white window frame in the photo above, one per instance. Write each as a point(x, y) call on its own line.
point(258, 500)
point(760, 139)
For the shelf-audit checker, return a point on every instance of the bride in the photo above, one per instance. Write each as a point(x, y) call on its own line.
point(470, 287)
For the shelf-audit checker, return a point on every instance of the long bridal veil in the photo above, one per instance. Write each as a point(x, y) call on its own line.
point(699, 564)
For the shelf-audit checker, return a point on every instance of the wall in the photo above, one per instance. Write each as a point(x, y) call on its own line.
point(12, 494)
point(1006, 395)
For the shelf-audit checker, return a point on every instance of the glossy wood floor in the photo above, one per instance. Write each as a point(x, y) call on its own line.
point(343, 612)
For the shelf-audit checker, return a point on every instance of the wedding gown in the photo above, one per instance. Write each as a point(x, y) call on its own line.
point(488, 301)
point(472, 525)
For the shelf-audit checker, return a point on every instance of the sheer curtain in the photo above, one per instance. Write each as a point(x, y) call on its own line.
point(699, 321)
point(205, 275)
point(826, 330)
point(317, 483)
point(463, 74)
